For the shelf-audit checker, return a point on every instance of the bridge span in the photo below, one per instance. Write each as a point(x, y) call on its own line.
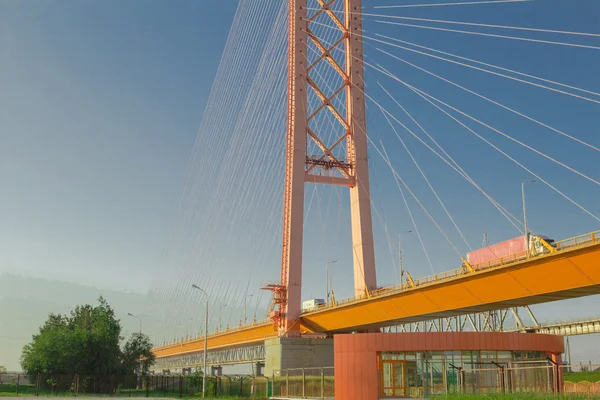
point(570, 270)
point(256, 353)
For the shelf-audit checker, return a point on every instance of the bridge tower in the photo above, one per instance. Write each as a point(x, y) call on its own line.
point(338, 140)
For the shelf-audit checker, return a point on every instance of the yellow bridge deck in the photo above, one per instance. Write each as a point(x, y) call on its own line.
point(573, 270)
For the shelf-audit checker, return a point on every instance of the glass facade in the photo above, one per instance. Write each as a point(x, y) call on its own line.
point(422, 374)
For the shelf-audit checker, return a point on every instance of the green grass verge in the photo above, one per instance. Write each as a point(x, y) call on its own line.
point(7, 390)
point(518, 396)
point(590, 376)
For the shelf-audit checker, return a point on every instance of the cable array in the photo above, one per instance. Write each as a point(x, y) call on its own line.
point(229, 212)
point(234, 179)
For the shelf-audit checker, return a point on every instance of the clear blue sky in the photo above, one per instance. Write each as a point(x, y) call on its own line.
point(100, 103)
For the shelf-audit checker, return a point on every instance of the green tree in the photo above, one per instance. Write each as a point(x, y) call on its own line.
point(2, 372)
point(86, 342)
point(51, 351)
point(137, 354)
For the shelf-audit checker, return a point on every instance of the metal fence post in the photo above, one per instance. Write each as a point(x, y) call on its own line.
point(287, 382)
point(18, 381)
point(37, 385)
point(303, 383)
point(322, 383)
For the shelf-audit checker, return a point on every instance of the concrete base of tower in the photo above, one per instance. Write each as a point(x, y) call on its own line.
point(285, 353)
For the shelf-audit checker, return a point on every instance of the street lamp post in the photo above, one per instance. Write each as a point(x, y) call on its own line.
point(139, 384)
point(205, 339)
point(245, 302)
point(328, 283)
point(220, 315)
point(138, 318)
point(400, 253)
point(525, 214)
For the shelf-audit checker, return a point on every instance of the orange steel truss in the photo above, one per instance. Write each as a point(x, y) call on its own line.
point(340, 142)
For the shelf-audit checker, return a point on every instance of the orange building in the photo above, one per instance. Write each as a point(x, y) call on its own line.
point(376, 366)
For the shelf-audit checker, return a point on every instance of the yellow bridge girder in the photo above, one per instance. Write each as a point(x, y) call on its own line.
point(572, 271)
point(236, 337)
point(561, 275)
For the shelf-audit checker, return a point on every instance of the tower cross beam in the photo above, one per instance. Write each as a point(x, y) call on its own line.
point(328, 53)
point(327, 102)
point(325, 7)
point(330, 106)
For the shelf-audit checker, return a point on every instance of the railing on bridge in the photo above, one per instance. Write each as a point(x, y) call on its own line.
point(562, 245)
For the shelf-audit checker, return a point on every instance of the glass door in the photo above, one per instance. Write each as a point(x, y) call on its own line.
point(393, 379)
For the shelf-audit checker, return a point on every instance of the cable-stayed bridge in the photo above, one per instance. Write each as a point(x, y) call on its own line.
point(310, 80)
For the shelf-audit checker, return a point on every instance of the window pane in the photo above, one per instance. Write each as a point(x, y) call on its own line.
point(387, 375)
point(398, 375)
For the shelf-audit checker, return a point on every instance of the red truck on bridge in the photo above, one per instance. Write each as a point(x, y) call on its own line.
point(512, 249)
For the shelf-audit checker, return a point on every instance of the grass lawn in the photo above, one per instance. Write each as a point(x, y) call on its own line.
point(590, 376)
point(9, 390)
point(518, 396)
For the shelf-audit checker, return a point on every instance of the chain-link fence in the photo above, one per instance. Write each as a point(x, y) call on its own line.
point(174, 386)
point(311, 383)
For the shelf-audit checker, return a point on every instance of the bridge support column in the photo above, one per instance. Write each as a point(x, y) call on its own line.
point(216, 370)
point(284, 353)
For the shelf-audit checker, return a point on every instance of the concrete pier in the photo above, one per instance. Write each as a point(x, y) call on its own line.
point(285, 353)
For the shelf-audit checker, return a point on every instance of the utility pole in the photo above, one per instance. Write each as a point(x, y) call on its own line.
point(205, 340)
point(525, 214)
point(569, 353)
point(400, 261)
point(328, 283)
